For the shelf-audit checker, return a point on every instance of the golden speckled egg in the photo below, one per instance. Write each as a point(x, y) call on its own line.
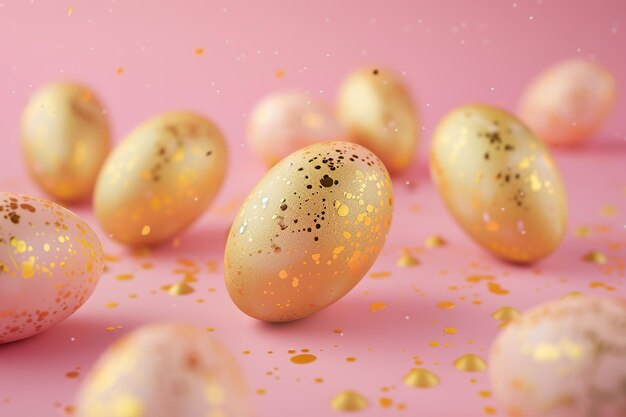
point(160, 178)
point(282, 123)
point(308, 232)
point(375, 107)
point(568, 102)
point(565, 358)
point(499, 182)
point(65, 139)
point(50, 263)
point(164, 370)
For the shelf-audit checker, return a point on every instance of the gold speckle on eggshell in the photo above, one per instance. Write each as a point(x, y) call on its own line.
point(421, 378)
point(470, 363)
point(348, 401)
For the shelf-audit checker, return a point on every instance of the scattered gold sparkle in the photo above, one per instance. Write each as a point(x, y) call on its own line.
point(199, 51)
point(484, 394)
point(377, 305)
point(609, 210)
point(120, 70)
point(303, 358)
point(573, 294)
point(496, 288)
point(489, 410)
point(145, 231)
point(124, 277)
point(406, 260)
point(595, 257)
point(378, 275)
point(348, 401)
point(450, 330)
point(70, 11)
point(435, 241)
point(470, 363)
point(445, 304)
point(181, 288)
point(72, 374)
point(210, 329)
point(385, 402)
point(260, 391)
point(506, 313)
point(350, 359)
point(421, 378)
point(582, 231)
point(279, 73)
point(343, 210)
point(112, 304)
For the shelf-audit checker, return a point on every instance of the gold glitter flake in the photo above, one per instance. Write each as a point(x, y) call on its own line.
point(406, 260)
point(348, 401)
point(609, 210)
point(70, 11)
point(435, 241)
point(199, 51)
point(279, 73)
point(385, 402)
point(595, 257)
point(145, 231)
point(445, 305)
point(377, 305)
point(421, 378)
point(112, 304)
point(181, 288)
point(470, 363)
point(450, 330)
point(379, 275)
point(582, 231)
point(120, 70)
point(303, 358)
point(124, 277)
point(506, 313)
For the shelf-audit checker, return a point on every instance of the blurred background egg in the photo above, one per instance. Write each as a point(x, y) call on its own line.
point(50, 263)
point(499, 182)
point(568, 102)
point(375, 107)
point(164, 370)
point(566, 358)
point(160, 178)
point(284, 122)
point(308, 232)
point(65, 139)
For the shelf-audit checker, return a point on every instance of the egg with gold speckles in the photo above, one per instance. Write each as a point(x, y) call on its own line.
point(160, 178)
point(284, 122)
point(499, 182)
point(569, 102)
point(308, 232)
point(375, 107)
point(564, 358)
point(65, 139)
point(164, 370)
point(50, 263)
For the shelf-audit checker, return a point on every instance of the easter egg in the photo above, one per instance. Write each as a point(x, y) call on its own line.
point(565, 358)
point(282, 123)
point(160, 178)
point(569, 102)
point(50, 263)
point(308, 232)
point(164, 370)
point(499, 182)
point(375, 107)
point(65, 139)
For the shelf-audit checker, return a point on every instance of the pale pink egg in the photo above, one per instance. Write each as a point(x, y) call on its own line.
point(50, 263)
point(282, 123)
point(568, 102)
point(566, 358)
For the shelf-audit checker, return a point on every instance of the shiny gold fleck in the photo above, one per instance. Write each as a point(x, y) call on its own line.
point(350, 359)
point(435, 241)
point(111, 304)
point(338, 330)
point(595, 257)
point(318, 380)
point(445, 305)
point(260, 391)
point(496, 288)
point(378, 275)
point(343, 210)
point(609, 210)
point(70, 11)
point(279, 73)
point(124, 277)
point(210, 329)
point(450, 330)
point(199, 51)
point(582, 231)
point(506, 313)
point(406, 260)
point(484, 394)
point(72, 374)
point(385, 402)
point(573, 294)
point(470, 363)
point(377, 305)
point(145, 231)
point(180, 288)
point(489, 411)
point(120, 70)
point(348, 401)
point(421, 378)
point(303, 358)
point(433, 344)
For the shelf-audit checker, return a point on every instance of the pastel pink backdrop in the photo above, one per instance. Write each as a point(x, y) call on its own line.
point(450, 53)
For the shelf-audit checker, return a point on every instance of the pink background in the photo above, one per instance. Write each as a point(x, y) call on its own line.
point(450, 52)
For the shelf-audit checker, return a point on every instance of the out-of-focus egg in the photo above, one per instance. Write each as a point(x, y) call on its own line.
point(65, 139)
point(164, 370)
point(50, 263)
point(160, 178)
point(282, 123)
point(568, 102)
point(375, 107)
point(308, 232)
point(566, 358)
point(499, 182)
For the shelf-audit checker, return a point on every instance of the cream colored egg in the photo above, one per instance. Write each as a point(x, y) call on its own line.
point(567, 103)
point(65, 139)
point(565, 358)
point(499, 182)
point(164, 370)
point(50, 263)
point(308, 232)
point(282, 123)
point(375, 107)
point(160, 178)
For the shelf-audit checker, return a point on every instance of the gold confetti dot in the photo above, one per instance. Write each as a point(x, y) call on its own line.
point(445, 304)
point(210, 329)
point(470, 363)
point(582, 231)
point(435, 241)
point(378, 275)
point(112, 304)
point(124, 277)
point(303, 359)
point(450, 330)
point(343, 210)
point(595, 257)
point(348, 401)
point(279, 73)
point(421, 378)
point(260, 391)
point(377, 305)
point(496, 288)
point(385, 402)
point(120, 70)
point(433, 344)
point(199, 51)
point(180, 288)
point(338, 330)
point(350, 359)
point(72, 374)
point(70, 11)
point(484, 394)
point(145, 231)
point(573, 294)
point(506, 313)
point(489, 410)
point(318, 380)
point(609, 210)
point(406, 260)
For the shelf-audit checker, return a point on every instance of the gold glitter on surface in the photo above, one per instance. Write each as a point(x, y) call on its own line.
point(385, 402)
point(421, 378)
point(496, 289)
point(199, 51)
point(377, 305)
point(70, 11)
point(120, 70)
point(303, 359)
point(124, 277)
point(379, 275)
point(350, 359)
point(595, 257)
point(489, 410)
point(406, 260)
point(609, 210)
point(470, 363)
point(450, 330)
point(445, 305)
point(112, 304)
point(348, 401)
point(434, 241)
point(484, 394)
point(72, 374)
point(181, 288)
point(145, 231)
point(279, 73)
point(582, 231)
point(506, 313)
point(343, 210)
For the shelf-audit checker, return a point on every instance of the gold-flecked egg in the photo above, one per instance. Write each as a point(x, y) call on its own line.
point(50, 263)
point(160, 178)
point(165, 370)
point(499, 182)
point(376, 109)
point(308, 232)
point(65, 139)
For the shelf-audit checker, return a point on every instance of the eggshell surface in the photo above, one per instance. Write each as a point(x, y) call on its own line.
point(65, 139)
point(565, 358)
point(164, 370)
point(50, 263)
point(499, 182)
point(160, 178)
point(308, 232)
point(375, 107)
point(567, 103)
point(282, 123)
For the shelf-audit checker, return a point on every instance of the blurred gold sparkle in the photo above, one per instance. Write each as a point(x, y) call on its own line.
point(421, 378)
point(470, 363)
point(595, 257)
point(434, 241)
point(348, 401)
